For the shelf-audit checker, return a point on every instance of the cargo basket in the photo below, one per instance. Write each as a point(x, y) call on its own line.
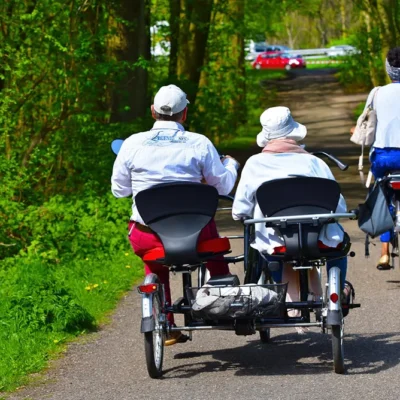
point(245, 301)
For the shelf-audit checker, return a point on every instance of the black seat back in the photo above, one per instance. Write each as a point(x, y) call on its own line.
point(299, 196)
point(178, 212)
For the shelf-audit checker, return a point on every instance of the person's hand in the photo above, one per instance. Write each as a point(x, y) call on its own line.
point(237, 162)
point(225, 157)
point(352, 130)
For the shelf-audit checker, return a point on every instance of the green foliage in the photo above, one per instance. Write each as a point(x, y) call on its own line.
point(72, 267)
point(260, 94)
point(58, 77)
point(357, 70)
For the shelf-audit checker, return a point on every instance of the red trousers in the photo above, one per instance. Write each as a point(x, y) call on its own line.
point(142, 242)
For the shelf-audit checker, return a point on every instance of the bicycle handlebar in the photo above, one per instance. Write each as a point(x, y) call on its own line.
point(341, 165)
point(306, 217)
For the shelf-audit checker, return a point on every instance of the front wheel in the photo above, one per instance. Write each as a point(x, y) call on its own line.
point(154, 342)
point(338, 348)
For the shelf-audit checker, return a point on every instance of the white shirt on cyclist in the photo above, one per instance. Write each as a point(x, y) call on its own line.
point(387, 106)
point(167, 153)
point(264, 167)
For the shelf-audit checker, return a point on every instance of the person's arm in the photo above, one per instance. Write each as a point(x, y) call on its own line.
point(221, 175)
point(243, 205)
point(370, 97)
point(121, 183)
point(369, 101)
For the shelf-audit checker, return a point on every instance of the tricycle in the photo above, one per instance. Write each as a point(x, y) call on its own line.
point(259, 304)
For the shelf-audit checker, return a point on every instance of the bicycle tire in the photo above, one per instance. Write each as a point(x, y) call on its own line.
point(154, 344)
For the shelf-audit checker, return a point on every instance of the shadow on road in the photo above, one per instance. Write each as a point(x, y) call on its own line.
point(293, 354)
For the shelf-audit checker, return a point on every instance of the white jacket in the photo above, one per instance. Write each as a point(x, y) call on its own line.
point(168, 153)
point(264, 167)
point(387, 106)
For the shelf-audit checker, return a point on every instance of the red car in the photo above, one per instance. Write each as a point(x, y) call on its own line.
point(272, 59)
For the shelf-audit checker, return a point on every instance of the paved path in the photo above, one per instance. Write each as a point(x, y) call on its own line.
point(220, 365)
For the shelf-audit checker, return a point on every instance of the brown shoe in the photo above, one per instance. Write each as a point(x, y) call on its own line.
point(173, 338)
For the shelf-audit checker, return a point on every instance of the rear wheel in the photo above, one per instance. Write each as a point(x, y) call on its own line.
point(257, 66)
point(265, 279)
point(154, 342)
point(338, 348)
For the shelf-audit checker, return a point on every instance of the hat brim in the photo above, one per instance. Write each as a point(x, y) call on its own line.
point(298, 133)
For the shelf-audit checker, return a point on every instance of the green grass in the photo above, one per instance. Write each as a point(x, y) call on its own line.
point(45, 307)
point(328, 63)
point(64, 283)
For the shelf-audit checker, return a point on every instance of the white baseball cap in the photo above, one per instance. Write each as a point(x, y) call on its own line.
point(277, 122)
point(170, 100)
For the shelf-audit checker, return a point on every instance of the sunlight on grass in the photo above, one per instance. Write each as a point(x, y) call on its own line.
point(324, 62)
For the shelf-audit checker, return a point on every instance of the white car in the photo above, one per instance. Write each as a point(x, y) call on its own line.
point(255, 48)
point(342, 50)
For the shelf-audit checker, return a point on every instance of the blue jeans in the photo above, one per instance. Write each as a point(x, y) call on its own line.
point(382, 162)
point(341, 263)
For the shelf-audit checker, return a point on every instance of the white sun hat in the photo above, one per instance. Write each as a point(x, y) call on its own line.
point(278, 123)
point(170, 100)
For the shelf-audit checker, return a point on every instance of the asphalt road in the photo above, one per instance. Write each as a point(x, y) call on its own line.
point(110, 364)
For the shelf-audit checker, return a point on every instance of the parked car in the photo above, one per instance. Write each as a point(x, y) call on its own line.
point(273, 59)
point(255, 48)
point(341, 50)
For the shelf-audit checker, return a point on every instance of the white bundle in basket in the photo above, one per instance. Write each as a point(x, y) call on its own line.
point(217, 301)
point(214, 300)
point(260, 296)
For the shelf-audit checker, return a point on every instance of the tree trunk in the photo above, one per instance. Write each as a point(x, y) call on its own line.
point(321, 27)
point(395, 6)
point(372, 72)
point(193, 37)
point(236, 10)
point(131, 44)
point(175, 9)
point(287, 22)
point(343, 18)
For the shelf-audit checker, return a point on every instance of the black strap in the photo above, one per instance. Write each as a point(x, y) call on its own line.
point(367, 245)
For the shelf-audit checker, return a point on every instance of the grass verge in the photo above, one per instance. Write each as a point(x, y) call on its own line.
point(324, 62)
point(56, 290)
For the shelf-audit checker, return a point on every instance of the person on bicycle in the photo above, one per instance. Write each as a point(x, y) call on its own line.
point(282, 156)
point(385, 151)
point(168, 153)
